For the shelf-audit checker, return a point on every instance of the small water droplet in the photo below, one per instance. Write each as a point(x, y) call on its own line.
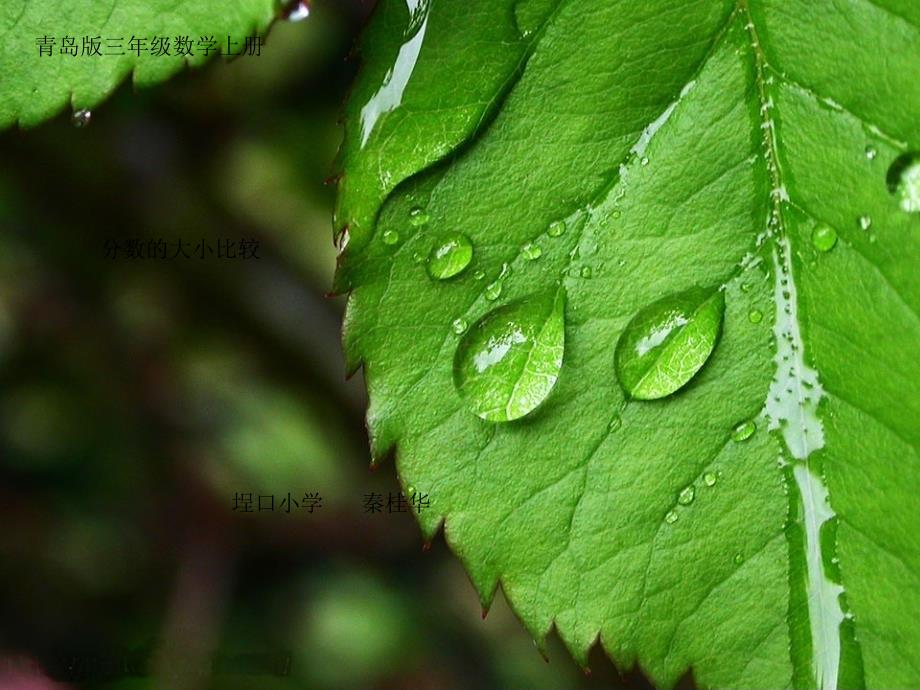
point(824, 237)
point(614, 424)
point(871, 152)
point(864, 222)
point(390, 237)
point(904, 181)
point(479, 275)
point(450, 256)
point(667, 343)
point(556, 228)
point(297, 11)
point(460, 325)
point(710, 479)
point(745, 287)
point(744, 431)
point(81, 118)
point(418, 216)
point(508, 362)
point(616, 213)
point(738, 559)
point(671, 517)
point(586, 272)
point(755, 316)
point(686, 496)
point(493, 291)
point(531, 251)
point(644, 161)
point(410, 490)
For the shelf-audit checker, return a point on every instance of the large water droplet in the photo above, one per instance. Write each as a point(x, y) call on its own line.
point(390, 237)
point(450, 256)
point(297, 11)
point(667, 342)
point(81, 118)
point(710, 479)
point(686, 496)
point(508, 362)
point(460, 325)
point(824, 237)
point(904, 181)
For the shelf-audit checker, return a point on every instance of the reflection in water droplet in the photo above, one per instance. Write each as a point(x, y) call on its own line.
point(686, 496)
point(460, 325)
point(710, 479)
point(824, 237)
point(864, 222)
point(904, 181)
point(556, 228)
point(667, 343)
point(81, 118)
point(871, 152)
point(744, 431)
point(418, 216)
point(671, 517)
point(450, 256)
point(531, 251)
point(297, 11)
point(755, 316)
point(390, 237)
point(508, 362)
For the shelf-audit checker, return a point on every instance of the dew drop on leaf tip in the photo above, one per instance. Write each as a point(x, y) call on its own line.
point(296, 11)
point(81, 118)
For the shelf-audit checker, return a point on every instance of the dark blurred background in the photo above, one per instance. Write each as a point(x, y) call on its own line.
point(142, 399)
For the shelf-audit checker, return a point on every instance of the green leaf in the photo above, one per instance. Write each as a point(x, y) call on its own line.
point(758, 526)
point(34, 88)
